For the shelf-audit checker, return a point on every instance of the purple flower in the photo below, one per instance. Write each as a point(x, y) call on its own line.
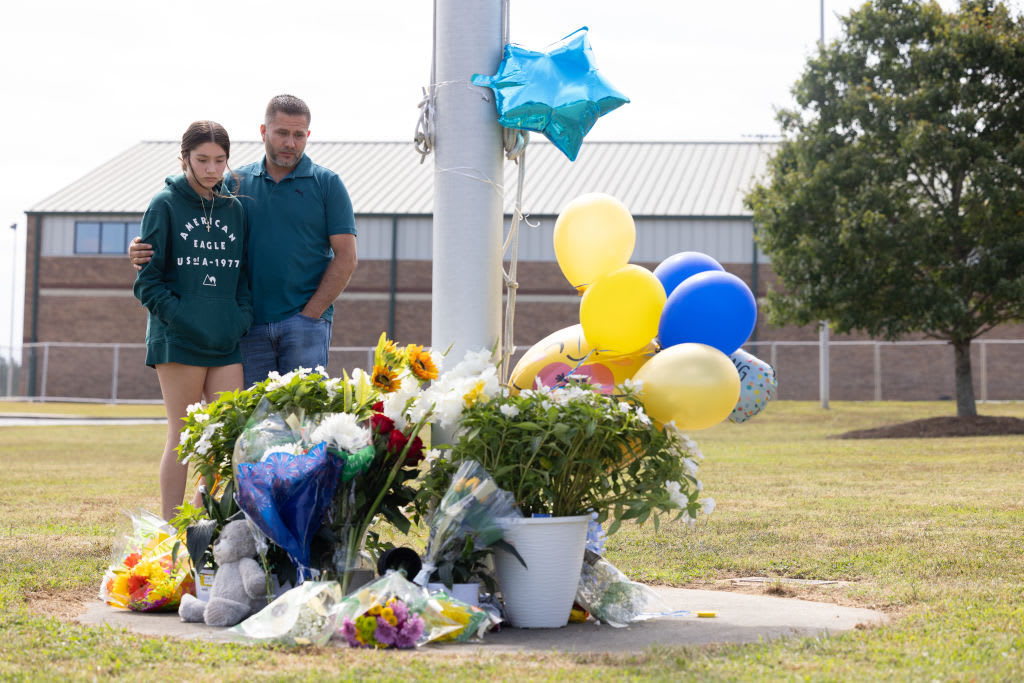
point(409, 632)
point(401, 611)
point(385, 633)
point(348, 629)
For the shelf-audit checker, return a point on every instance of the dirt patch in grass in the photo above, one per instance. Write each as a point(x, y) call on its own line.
point(66, 605)
point(941, 427)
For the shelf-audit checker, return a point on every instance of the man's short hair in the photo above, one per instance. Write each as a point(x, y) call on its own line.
point(289, 105)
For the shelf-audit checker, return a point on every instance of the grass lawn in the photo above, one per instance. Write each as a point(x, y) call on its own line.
point(929, 531)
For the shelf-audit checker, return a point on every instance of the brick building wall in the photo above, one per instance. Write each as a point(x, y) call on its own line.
point(88, 299)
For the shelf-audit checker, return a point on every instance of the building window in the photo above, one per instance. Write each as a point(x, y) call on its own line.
point(104, 238)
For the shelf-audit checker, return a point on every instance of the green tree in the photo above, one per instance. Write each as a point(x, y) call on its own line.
point(895, 202)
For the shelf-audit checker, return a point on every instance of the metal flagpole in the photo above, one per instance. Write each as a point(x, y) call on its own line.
point(468, 180)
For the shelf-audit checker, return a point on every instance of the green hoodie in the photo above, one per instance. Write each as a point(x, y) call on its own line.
point(195, 287)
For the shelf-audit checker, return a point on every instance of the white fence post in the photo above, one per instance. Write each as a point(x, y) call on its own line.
point(984, 371)
point(823, 368)
point(113, 379)
point(878, 371)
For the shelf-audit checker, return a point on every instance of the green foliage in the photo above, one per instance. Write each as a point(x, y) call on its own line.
point(571, 450)
point(210, 431)
point(895, 204)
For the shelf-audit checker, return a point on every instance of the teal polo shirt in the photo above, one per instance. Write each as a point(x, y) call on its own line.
point(290, 225)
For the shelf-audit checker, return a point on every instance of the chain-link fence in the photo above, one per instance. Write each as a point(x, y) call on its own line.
point(857, 370)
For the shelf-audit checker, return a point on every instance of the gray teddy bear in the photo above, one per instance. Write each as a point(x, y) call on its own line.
point(239, 586)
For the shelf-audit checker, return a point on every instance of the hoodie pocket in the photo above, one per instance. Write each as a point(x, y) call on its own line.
point(207, 324)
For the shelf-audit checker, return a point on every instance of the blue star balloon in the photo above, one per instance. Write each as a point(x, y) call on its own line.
point(558, 92)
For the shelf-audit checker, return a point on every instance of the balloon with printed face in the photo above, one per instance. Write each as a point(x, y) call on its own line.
point(714, 308)
point(694, 385)
point(558, 91)
point(620, 311)
point(565, 354)
point(757, 385)
point(678, 267)
point(594, 235)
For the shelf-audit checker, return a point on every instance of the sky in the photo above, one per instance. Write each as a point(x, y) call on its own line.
point(83, 81)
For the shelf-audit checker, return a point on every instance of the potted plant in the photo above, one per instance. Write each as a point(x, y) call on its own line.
point(565, 454)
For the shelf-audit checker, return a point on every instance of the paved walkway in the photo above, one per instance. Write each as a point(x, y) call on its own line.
point(741, 618)
point(59, 420)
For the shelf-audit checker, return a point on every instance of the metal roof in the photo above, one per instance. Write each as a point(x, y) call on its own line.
point(652, 179)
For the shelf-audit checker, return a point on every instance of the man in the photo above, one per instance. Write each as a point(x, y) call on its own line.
point(302, 246)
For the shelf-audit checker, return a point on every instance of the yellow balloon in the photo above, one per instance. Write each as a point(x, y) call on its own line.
point(566, 350)
point(594, 235)
point(621, 310)
point(695, 385)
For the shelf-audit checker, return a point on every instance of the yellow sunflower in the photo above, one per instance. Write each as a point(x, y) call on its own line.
point(385, 379)
point(420, 362)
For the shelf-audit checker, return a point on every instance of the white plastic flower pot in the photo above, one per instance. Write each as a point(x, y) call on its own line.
point(541, 594)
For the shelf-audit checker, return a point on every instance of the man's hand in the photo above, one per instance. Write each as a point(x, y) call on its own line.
point(139, 253)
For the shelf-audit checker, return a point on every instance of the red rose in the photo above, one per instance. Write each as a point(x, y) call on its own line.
point(396, 441)
point(415, 453)
point(381, 423)
point(378, 407)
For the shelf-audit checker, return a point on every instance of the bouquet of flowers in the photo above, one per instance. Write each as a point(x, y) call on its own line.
point(393, 612)
point(572, 450)
point(387, 625)
point(465, 528)
point(304, 615)
point(613, 599)
point(151, 568)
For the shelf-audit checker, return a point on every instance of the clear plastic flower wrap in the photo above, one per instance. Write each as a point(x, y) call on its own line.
point(474, 621)
point(393, 612)
point(471, 507)
point(304, 615)
point(150, 568)
point(613, 599)
point(268, 430)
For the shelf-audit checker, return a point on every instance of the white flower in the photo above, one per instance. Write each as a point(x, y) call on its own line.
point(331, 387)
point(625, 407)
point(186, 434)
point(707, 506)
point(675, 494)
point(430, 455)
point(211, 429)
point(509, 410)
point(290, 448)
point(203, 446)
point(321, 370)
point(642, 416)
point(473, 363)
point(633, 384)
point(193, 407)
point(342, 431)
point(690, 465)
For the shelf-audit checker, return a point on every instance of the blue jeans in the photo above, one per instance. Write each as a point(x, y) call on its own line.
point(285, 345)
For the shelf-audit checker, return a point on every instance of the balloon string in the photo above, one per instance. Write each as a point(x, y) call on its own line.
point(515, 149)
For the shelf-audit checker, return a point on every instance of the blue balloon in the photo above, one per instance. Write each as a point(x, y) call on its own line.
point(558, 92)
point(678, 267)
point(714, 308)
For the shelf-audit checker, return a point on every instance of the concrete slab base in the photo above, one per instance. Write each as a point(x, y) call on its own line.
point(740, 618)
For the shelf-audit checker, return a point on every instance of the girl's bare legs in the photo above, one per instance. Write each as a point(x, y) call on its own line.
point(182, 385)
